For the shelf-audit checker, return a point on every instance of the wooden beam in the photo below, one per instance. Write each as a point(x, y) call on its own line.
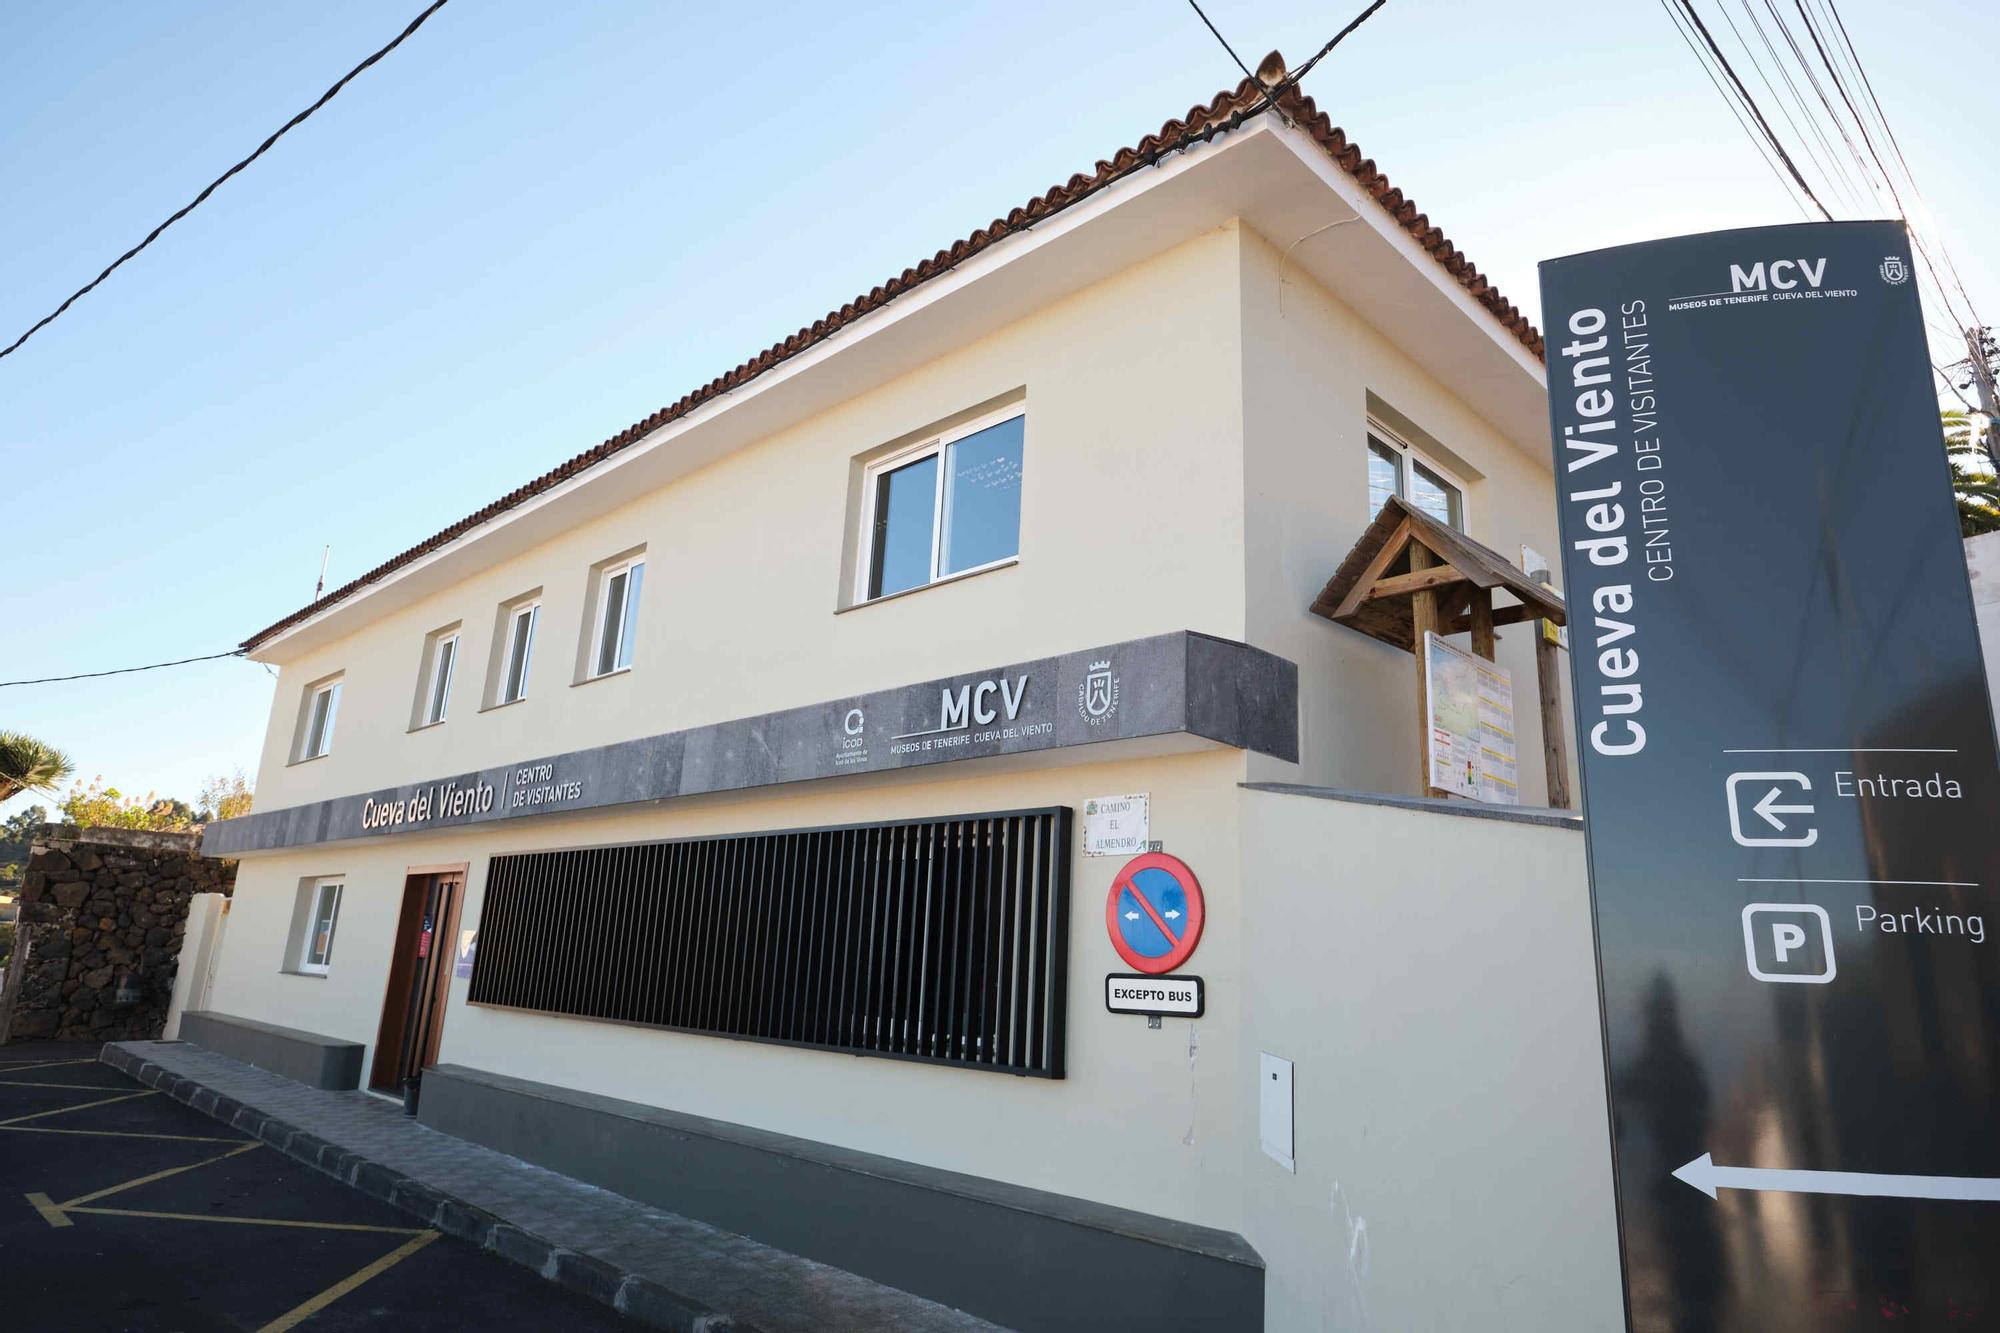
point(1548, 685)
point(1402, 585)
point(1423, 616)
point(1506, 615)
point(1374, 570)
point(1482, 623)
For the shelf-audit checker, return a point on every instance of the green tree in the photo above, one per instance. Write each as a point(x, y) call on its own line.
point(1973, 481)
point(225, 796)
point(27, 764)
point(16, 832)
point(99, 806)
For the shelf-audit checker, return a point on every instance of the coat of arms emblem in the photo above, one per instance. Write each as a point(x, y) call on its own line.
point(1894, 271)
point(1097, 697)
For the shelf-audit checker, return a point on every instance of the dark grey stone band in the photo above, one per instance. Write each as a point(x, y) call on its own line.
point(1024, 1258)
point(316, 1061)
point(1180, 683)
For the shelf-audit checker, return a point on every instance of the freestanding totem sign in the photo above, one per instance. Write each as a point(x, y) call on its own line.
point(1789, 781)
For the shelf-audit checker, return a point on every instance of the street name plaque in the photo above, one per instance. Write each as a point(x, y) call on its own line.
point(1789, 782)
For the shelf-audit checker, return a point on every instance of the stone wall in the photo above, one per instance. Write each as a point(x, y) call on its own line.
point(102, 916)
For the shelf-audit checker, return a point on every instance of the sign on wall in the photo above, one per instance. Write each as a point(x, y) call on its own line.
point(1789, 780)
point(1154, 913)
point(1471, 706)
point(1155, 997)
point(1168, 684)
point(1116, 825)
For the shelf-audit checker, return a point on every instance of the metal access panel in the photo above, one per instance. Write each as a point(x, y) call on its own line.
point(939, 940)
point(1789, 781)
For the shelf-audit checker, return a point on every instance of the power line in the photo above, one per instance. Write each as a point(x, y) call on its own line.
point(1832, 164)
point(1751, 103)
point(1882, 117)
point(1224, 40)
point(120, 671)
point(1778, 101)
point(1708, 69)
point(194, 203)
point(1840, 86)
point(1339, 37)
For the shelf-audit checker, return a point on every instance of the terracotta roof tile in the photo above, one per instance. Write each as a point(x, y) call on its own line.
point(1226, 111)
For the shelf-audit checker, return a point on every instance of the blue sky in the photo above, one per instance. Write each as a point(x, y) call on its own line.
point(534, 224)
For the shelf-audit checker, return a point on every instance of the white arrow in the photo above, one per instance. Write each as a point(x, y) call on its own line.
point(1131, 916)
point(1172, 915)
point(1706, 1176)
point(1771, 811)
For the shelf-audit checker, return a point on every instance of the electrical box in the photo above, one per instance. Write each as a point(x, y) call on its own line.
point(1274, 1108)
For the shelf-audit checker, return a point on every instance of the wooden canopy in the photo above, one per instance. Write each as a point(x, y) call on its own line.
point(1371, 591)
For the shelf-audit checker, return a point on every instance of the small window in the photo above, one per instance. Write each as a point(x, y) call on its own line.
point(437, 694)
point(317, 951)
point(1394, 468)
point(320, 711)
point(617, 616)
point(948, 506)
point(520, 648)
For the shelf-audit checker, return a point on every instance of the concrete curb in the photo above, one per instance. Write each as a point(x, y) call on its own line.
point(629, 1293)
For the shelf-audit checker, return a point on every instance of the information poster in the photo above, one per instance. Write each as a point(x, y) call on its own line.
point(1471, 707)
point(1789, 782)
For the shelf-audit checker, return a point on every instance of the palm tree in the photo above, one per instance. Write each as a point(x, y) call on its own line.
point(1972, 478)
point(26, 764)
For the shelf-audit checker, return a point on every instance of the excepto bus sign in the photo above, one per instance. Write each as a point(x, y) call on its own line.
point(1789, 781)
point(1164, 997)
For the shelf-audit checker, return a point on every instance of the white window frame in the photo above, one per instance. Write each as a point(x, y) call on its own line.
point(871, 494)
point(624, 648)
point(331, 886)
point(1407, 455)
point(532, 609)
point(330, 688)
point(438, 679)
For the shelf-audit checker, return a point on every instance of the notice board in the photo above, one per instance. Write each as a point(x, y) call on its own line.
point(1789, 781)
point(1470, 704)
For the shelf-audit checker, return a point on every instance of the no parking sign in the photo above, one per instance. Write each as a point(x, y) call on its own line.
point(1154, 913)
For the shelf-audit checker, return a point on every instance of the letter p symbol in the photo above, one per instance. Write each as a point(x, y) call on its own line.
point(1779, 943)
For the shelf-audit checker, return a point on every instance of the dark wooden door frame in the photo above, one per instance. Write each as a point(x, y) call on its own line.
point(387, 1072)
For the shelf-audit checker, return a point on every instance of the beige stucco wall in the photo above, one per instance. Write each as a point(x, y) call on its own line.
point(1433, 980)
point(1131, 519)
point(1137, 1122)
point(1309, 366)
point(1194, 459)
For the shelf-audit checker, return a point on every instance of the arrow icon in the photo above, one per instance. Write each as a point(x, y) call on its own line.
point(1703, 1174)
point(1172, 914)
point(1131, 916)
point(1775, 831)
point(1770, 809)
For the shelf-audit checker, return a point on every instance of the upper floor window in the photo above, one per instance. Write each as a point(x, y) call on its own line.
point(316, 715)
point(947, 506)
point(617, 616)
point(1395, 468)
point(520, 646)
point(443, 658)
point(316, 952)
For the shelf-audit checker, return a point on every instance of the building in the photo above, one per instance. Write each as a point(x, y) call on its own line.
point(1034, 524)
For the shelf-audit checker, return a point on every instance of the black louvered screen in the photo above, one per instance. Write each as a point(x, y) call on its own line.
point(941, 939)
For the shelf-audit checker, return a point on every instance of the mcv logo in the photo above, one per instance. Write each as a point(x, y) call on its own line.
point(1780, 273)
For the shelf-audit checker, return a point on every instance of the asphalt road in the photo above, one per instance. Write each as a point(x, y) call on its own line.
point(122, 1209)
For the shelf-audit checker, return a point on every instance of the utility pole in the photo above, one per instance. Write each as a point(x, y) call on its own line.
point(1989, 401)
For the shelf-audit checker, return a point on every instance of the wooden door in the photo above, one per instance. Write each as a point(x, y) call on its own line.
point(413, 1004)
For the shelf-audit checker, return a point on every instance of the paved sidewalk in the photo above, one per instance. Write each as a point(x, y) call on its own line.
point(663, 1269)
